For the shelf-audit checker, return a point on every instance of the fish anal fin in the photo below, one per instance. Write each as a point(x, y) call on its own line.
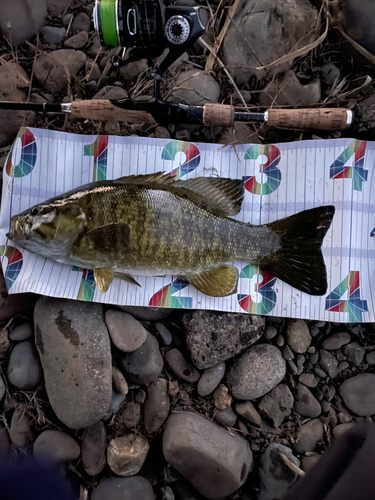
point(225, 195)
point(299, 261)
point(127, 278)
point(218, 282)
point(103, 278)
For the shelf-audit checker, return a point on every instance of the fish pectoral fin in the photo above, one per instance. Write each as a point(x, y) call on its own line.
point(225, 195)
point(127, 278)
point(103, 278)
point(106, 237)
point(218, 282)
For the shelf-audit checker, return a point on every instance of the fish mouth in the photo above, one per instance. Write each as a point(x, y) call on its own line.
point(9, 235)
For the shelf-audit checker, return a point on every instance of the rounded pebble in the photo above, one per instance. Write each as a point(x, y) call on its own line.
point(23, 331)
point(256, 372)
point(277, 405)
point(270, 332)
point(77, 41)
point(163, 334)
point(340, 429)
point(145, 364)
point(226, 417)
point(93, 448)
point(180, 366)
point(358, 394)
point(308, 379)
point(336, 341)
point(308, 436)
point(56, 446)
point(53, 34)
point(370, 358)
point(156, 409)
point(127, 454)
point(306, 404)
point(19, 431)
point(24, 368)
point(126, 332)
point(354, 353)
point(119, 382)
point(129, 416)
point(2, 388)
point(210, 379)
point(121, 488)
point(298, 335)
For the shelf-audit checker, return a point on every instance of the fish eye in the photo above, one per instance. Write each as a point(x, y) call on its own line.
point(34, 212)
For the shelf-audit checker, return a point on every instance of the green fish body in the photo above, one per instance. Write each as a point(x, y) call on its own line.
point(155, 225)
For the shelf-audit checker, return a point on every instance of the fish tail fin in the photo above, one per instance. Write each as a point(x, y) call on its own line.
point(299, 262)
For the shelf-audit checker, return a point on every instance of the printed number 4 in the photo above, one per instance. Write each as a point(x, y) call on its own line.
point(354, 305)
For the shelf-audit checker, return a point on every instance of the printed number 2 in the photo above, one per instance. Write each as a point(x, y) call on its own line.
point(338, 169)
point(354, 305)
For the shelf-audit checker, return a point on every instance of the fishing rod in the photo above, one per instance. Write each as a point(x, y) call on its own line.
point(148, 26)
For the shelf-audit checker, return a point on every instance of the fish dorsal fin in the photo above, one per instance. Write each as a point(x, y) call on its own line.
point(218, 282)
point(226, 195)
point(160, 178)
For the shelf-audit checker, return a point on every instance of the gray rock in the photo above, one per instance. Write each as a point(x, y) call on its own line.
point(308, 436)
point(163, 335)
point(140, 397)
point(119, 382)
point(53, 34)
point(162, 133)
point(115, 404)
point(156, 405)
point(357, 21)
point(248, 411)
point(195, 87)
point(354, 353)
point(51, 74)
point(24, 369)
point(129, 416)
point(321, 373)
point(212, 337)
point(145, 364)
point(20, 431)
point(256, 372)
point(308, 379)
point(358, 394)
point(146, 313)
point(94, 448)
point(287, 353)
point(112, 127)
point(280, 341)
point(370, 357)
point(20, 21)
point(307, 463)
point(133, 69)
point(73, 60)
point(215, 461)
point(4, 443)
point(210, 379)
point(275, 476)
point(92, 70)
point(336, 341)
point(270, 332)
point(56, 446)
point(330, 74)
point(292, 367)
point(183, 135)
point(181, 366)
point(277, 405)
point(127, 454)
point(56, 7)
point(126, 332)
point(340, 429)
point(344, 365)
point(81, 22)
point(306, 404)
point(77, 41)
point(288, 91)
point(123, 488)
point(113, 92)
point(263, 32)
point(13, 80)
point(2, 388)
point(313, 358)
point(225, 417)
point(329, 363)
point(75, 352)
point(298, 335)
point(67, 19)
point(23, 331)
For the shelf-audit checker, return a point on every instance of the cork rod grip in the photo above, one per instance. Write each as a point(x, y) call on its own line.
point(105, 110)
point(319, 119)
point(218, 115)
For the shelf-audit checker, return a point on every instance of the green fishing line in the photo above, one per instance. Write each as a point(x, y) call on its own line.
point(108, 22)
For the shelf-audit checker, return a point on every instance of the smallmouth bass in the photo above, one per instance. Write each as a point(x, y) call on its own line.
point(157, 225)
